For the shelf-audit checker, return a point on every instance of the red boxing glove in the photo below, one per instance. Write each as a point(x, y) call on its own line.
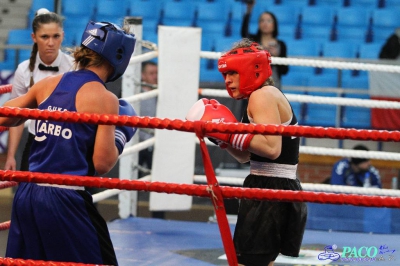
point(211, 110)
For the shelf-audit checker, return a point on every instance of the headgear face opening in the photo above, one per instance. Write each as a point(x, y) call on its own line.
point(112, 43)
point(252, 65)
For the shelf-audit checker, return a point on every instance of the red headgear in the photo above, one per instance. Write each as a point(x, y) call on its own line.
point(252, 65)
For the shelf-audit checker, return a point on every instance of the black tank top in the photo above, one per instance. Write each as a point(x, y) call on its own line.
point(290, 145)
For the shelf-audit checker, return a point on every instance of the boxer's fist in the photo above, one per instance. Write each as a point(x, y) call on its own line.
point(123, 134)
point(211, 110)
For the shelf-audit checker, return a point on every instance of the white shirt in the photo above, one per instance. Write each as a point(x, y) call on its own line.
point(22, 75)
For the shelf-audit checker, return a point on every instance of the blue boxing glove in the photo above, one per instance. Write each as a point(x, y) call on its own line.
point(123, 134)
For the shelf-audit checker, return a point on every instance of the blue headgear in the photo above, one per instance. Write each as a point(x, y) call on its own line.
point(112, 43)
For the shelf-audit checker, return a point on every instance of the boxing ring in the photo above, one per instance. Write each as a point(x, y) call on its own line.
point(140, 241)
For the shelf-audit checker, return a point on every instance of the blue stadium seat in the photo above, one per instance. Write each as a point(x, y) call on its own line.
point(110, 10)
point(285, 14)
point(78, 7)
point(353, 16)
point(325, 80)
point(296, 48)
point(369, 50)
point(364, 3)
point(297, 3)
point(331, 3)
point(338, 49)
point(286, 31)
point(76, 23)
point(317, 33)
point(20, 36)
point(148, 10)
point(24, 55)
point(321, 114)
point(317, 15)
point(354, 34)
point(359, 82)
point(208, 74)
point(356, 117)
point(392, 4)
point(293, 78)
point(179, 13)
point(150, 26)
point(212, 26)
point(37, 4)
point(211, 11)
point(385, 21)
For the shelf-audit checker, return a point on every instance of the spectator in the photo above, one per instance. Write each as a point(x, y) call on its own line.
point(47, 37)
point(148, 107)
point(356, 172)
point(391, 48)
point(267, 36)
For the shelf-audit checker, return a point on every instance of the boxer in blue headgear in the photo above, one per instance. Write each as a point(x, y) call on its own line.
point(112, 43)
point(61, 223)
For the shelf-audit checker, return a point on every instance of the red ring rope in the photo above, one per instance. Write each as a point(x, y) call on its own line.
point(188, 126)
point(202, 190)
point(5, 88)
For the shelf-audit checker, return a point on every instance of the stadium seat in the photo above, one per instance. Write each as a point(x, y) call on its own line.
point(325, 80)
point(364, 3)
point(285, 14)
point(321, 114)
point(317, 15)
point(389, 4)
point(293, 78)
point(211, 12)
point(20, 36)
point(354, 34)
point(338, 49)
point(208, 74)
point(353, 16)
point(212, 27)
point(179, 13)
point(316, 33)
point(148, 10)
point(369, 50)
point(78, 7)
point(37, 4)
point(17, 37)
point(386, 20)
point(358, 82)
point(356, 117)
point(110, 10)
point(331, 3)
point(297, 3)
point(299, 48)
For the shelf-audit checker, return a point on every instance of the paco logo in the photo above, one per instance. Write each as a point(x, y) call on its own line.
point(361, 254)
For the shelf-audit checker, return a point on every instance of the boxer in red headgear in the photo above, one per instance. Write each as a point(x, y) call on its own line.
point(264, 229)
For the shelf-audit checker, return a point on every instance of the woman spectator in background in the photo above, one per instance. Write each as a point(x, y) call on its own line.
point(267, 36)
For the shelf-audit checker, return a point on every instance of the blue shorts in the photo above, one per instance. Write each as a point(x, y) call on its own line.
point(58, 224)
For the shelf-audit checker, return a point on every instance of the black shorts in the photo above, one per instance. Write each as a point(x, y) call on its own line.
point(268, 228)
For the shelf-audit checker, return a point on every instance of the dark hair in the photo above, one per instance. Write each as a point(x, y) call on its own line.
point(275, 32)
point(38, 21)
point(148, 63)
point(357, 161)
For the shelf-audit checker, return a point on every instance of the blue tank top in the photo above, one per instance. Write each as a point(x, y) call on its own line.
point(62, 147)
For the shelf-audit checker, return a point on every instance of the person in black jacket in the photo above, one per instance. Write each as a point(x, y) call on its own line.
point(267, 36)
point(391, 48)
